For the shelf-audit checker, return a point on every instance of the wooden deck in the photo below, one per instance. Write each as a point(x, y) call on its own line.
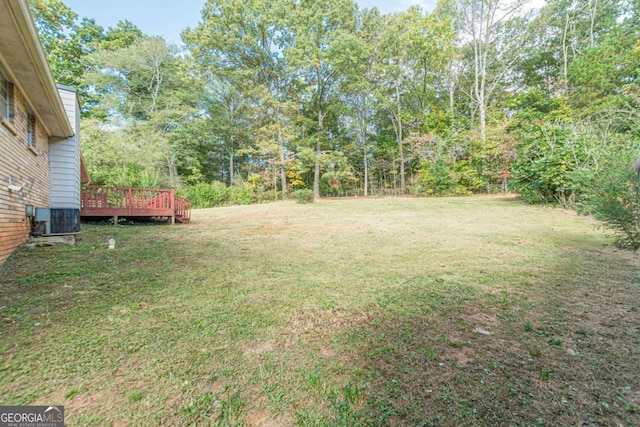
point(99, 201)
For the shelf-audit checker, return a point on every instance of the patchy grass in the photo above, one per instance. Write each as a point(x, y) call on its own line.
point(464, 311)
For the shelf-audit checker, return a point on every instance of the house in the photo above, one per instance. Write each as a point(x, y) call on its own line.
point(41, 167)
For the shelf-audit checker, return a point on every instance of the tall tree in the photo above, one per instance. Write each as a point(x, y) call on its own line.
point(482, 22)
point(558, 34)
point(397, 63)
point(65, 40)
point(417, 49)
point(143, 91)
point(68, 41)
point(240, 45)
point(132, 79)
point(362, 77)
point(316, 28)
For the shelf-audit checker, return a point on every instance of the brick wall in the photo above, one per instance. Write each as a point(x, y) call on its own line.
point(29, 167)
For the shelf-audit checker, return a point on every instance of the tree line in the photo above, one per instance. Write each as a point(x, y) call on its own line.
point(268, 97)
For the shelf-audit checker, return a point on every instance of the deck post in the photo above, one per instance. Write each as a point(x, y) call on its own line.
point(172, 203)
point(130, 204)
point(115, 220)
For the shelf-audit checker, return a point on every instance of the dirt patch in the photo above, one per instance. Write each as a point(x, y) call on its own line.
point(260, 348)
point(264, 419)
point(462, 356)
point(256, 419)
point(483, 320)
point(80, 404)
point(318, 322)
point(259, 299)
point(326, 352)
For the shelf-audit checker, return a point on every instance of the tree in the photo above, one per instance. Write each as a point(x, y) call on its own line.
point(362, 77)
point(605, 77)
point(482, 22)
point(68, 41)
point(65, 40)
point(240, 45)
point(143, 92)
point(558, 35)
point(417, 50)
point(396, 65)
point(317, 29)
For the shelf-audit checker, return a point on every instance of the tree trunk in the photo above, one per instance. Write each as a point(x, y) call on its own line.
point(399, 136)
point(363, 130)
point(231, 165)
point(565, 55)
point(173, 170)
point(482, 99)
point(275, 179)
point(366, 167)
point(452, 87)
point(283, 170)
point(483, 118)
point(316, 171)
point(393, 175)
point(316, 175)
point(479, 83)
point(593, 11)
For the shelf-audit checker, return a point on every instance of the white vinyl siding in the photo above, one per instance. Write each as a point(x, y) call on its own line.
point(64, 157)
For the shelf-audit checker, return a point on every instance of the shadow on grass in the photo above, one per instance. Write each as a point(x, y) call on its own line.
point(181, 328)
point(97, 329)
point(441, 352)
point(58, 303)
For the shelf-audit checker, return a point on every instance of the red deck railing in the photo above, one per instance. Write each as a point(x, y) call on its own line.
point(183, 208)
point(100, 201)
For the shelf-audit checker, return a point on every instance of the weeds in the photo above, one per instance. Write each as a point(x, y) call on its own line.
point(135, 396)
point(74, 391)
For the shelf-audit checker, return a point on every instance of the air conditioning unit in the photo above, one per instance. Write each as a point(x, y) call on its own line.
point(57, 221)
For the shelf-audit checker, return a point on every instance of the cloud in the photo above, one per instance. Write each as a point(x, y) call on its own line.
point(424, 4)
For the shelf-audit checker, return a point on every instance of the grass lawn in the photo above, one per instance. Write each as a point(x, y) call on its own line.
point(454, 311)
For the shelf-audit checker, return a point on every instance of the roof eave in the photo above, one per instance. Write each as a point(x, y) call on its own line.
point(57, 124)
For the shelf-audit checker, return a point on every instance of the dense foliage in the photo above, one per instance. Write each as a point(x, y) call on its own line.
point(271, 97)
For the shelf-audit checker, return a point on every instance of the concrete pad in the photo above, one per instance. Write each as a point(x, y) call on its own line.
point(55, 240)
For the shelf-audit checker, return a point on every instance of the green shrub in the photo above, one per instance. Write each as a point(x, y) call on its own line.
point(239, 195)
point(205, 195)
point(467, 180)
point(336, 183)
point(442, 178)
point(263, 196)
point(553, 159)
point(435, 179)
point(613, 198)
point(303, 196)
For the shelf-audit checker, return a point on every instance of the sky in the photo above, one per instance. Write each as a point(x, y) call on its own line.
point(167, 18)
